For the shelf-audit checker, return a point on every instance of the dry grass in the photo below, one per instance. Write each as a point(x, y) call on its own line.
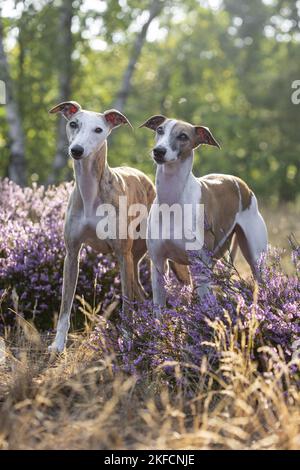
point(77, 401)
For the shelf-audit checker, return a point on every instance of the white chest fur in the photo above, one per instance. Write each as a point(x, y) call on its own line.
point(176, 220)
point(95, 219)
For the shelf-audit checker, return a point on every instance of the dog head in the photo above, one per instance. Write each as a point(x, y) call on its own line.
point(87, 130)
point(176, 139)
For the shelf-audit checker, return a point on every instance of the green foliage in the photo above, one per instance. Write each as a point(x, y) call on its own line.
point(230, 69)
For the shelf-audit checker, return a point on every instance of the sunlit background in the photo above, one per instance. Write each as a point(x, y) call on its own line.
point(226, 64)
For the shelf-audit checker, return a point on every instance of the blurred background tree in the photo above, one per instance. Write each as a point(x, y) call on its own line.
point(227, 64)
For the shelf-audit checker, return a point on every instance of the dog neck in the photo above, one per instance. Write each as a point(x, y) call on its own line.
point(90, 173)
point(172, 179)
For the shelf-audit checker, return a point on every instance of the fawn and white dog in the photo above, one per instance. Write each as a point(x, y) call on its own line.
point(97, 184)
point(230, 207)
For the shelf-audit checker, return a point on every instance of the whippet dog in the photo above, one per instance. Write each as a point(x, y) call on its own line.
point(96, 184)
point(230, 207)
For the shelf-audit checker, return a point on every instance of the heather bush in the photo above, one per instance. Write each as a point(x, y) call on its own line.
point(32, 253)
point(31, 262)
point(235, 316)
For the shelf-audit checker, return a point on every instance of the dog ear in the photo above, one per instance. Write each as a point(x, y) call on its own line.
point(115, 118)
point(204, 136)
point(154, 122)
point(67, 109)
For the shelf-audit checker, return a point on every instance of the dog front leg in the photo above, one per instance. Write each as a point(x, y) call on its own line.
point(127, 278)
point(203, 288)
point(70, 277)
point(202, 276)
point(158, 286)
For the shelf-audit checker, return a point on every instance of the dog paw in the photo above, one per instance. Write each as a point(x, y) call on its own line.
point(56, 348)
point(157, 312)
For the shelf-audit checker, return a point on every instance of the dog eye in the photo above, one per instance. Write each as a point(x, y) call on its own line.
point(183, 136)
point(160, 130)
point(98, 130)
point(73, 124)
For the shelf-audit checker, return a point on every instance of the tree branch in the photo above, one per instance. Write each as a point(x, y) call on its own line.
point(17, 164)
point(155, 9)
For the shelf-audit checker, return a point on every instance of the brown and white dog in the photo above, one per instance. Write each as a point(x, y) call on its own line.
point(230, 207)
point(96, 184)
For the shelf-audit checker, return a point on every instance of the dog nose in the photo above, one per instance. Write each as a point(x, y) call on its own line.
point(159, 153)
point(77, 151)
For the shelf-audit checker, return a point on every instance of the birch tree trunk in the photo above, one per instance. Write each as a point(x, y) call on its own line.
point(155, 8)
point(65, 79)
point(17, 164)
